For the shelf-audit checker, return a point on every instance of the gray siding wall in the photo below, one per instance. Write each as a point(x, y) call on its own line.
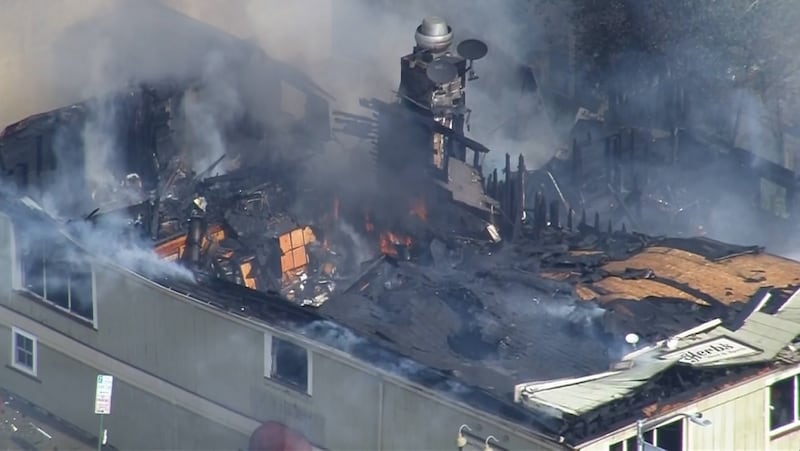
point(221, 359)
point(139, 420)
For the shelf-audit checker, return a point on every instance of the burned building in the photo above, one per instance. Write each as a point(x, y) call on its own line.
point(246, 306)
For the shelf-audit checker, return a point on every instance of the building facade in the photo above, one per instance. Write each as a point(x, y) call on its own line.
point(743, 416)
point(190, 376)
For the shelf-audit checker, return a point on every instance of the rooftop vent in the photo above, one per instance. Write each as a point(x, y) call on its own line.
point(434, 34)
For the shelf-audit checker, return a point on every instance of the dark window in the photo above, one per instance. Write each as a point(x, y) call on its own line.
point(649, 437)
point(289, 363)
point(670, 436)
point(64, 279)
point(24, 353)
point(783, 403)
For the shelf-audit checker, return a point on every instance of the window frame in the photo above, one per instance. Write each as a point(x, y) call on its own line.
point(653, 431)
point(270, 364)
point(795, 423)
point(18, 283)
point(33, 370)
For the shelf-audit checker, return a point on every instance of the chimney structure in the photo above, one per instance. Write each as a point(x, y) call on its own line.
point(433, 80)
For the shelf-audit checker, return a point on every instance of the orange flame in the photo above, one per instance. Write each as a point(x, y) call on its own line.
point(419, 209)
point(389, 241)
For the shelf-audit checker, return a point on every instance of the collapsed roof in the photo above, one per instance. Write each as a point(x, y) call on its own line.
point(492, 291)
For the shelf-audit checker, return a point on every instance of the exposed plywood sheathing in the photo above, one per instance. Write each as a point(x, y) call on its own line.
point(247, 273)
point(733, 279)
point(636, 289)
point(293, 250)
point(585, 293)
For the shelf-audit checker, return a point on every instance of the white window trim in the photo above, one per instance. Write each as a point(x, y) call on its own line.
point(772, 433)
point(654, 429)
point(19, 332)
point(269, 362)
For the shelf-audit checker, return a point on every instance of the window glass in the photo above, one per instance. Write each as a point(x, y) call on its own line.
point(616, 447)
point(56, 280)
point(33, 270)
point(23, 351)
point(61, 276)
point(80, 285)
point(670, 436)
point(290, 363)
point(782, 399)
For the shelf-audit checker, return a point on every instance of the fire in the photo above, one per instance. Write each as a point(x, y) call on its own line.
point(419, 209)
point(390, 240)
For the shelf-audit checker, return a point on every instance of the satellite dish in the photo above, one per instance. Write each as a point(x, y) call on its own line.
point(441, 72)
point(632, 339)
point(472, 49)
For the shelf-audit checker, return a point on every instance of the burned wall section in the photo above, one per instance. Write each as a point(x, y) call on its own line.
point(669, 184)
point(30, 151)
point(77, 158)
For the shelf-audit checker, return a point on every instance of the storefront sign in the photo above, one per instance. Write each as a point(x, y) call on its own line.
point(710, 351)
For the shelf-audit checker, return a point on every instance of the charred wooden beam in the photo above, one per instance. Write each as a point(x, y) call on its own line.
point(577, 158)
point(519, 199)
point(554, 220)
point(570, 214)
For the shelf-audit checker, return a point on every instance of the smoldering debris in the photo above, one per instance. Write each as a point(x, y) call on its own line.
point(469, 273)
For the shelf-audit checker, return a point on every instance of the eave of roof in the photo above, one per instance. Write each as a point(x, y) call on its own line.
point(759, 339)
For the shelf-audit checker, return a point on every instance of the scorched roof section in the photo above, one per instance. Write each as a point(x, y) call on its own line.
point(493, 291)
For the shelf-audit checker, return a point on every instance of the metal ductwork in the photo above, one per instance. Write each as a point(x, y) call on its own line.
point(434, 34)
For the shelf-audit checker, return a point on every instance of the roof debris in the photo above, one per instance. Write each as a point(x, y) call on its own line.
point(475, 286)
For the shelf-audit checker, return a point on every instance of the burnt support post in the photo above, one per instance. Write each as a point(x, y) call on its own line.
point(675, 144)
point(554, 220)
point(540, 214)
point(519, 198)
point(577, 159)
point(154, 207)
point(194, 237)
point(570, 215)
point(507, 188)
point(617, 152)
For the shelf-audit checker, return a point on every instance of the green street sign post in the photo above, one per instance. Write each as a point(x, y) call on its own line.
point(102, 403)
